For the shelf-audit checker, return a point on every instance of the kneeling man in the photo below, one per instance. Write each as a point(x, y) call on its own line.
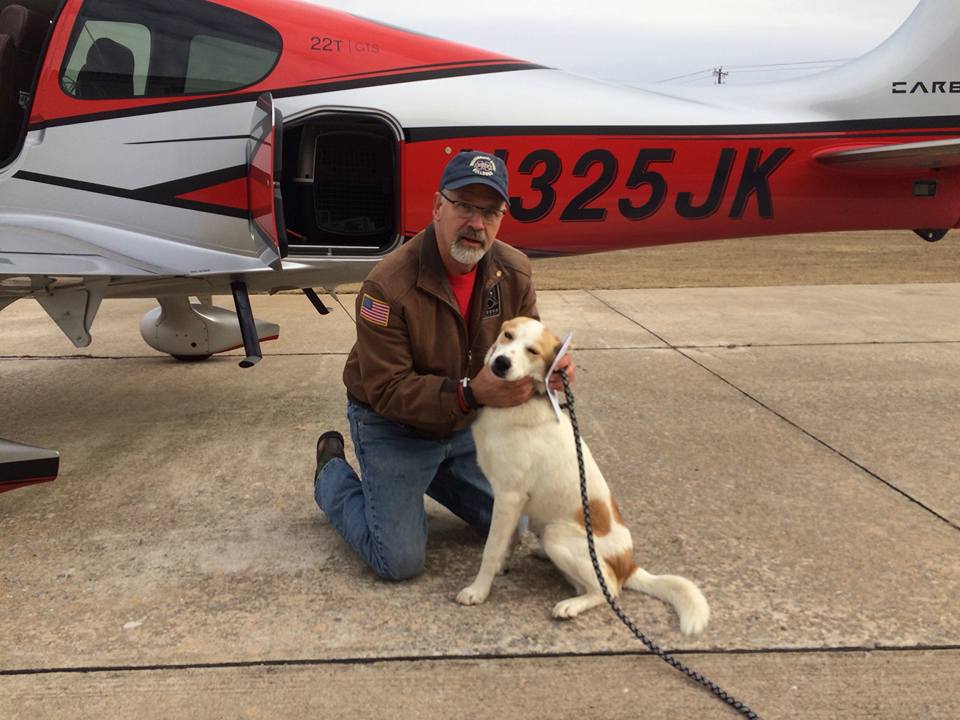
point(426, 315)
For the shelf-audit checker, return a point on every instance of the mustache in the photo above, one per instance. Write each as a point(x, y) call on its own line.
point(473, 234)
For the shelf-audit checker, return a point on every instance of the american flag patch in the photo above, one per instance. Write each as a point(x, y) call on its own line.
point(374, 311)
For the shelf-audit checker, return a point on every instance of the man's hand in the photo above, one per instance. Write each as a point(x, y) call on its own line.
point(490, 390)
point(566, 362)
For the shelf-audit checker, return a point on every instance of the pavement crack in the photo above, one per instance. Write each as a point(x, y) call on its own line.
point(482, 657)
point(680, 350)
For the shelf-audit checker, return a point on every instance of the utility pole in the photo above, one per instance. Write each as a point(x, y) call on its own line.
point(720, 74)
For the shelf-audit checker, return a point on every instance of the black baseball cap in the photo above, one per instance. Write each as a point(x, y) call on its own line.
point(474, 167)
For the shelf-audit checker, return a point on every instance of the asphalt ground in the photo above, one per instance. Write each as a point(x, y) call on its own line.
point(861, 258)
point(790, 444)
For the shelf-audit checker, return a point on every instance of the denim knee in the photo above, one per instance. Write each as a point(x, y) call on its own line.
point(400, 563)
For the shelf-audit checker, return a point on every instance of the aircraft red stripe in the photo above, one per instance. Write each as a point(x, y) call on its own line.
point(412, 69)
point(5, 487)
point(358, 49)
point(232, 194)
point(575, 193)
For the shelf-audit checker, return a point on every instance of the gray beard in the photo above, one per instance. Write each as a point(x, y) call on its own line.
point(466, 255)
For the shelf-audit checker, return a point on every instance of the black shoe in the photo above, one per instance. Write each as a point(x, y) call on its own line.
point(329, 446)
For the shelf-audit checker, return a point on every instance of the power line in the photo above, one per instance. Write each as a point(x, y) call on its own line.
point(698, 72)
point(768, 67)
point(802, 62)
point(784, 69)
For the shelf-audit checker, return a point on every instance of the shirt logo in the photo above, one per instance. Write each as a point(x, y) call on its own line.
point(374, 311)
point(491, 305)
point(482, 165)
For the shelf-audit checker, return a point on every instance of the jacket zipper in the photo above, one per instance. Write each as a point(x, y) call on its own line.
point(462, 323)
point(493, 282)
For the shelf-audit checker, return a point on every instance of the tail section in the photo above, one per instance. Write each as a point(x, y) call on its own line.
point(683, 595)
point(913, 73)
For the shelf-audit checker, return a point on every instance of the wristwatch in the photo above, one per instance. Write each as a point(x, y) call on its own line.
point(468, 397)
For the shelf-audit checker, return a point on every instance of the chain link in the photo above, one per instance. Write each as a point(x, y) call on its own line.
point(737, 705)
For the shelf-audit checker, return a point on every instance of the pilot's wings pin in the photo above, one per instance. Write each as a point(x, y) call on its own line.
point(491, 304)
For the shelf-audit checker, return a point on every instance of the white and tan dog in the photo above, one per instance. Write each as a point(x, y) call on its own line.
point(530, 460)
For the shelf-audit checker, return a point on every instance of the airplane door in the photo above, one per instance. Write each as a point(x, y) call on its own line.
point(264, 157)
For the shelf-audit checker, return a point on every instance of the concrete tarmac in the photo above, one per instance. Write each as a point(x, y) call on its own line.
point(793, 449)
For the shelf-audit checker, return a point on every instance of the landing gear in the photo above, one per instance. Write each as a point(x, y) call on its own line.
point(193, 331)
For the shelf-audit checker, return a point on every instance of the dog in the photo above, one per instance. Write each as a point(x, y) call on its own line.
point(530, 460)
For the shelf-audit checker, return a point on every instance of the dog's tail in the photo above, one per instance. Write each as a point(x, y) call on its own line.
point(683, 595)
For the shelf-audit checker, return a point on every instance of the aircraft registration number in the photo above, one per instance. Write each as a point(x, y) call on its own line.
point(646, 182)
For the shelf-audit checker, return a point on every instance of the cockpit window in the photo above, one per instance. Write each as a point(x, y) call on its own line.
point(163, 48)
point(121, 46)
point(217, 64)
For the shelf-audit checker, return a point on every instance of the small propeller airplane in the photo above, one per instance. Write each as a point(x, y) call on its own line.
point(177, 149)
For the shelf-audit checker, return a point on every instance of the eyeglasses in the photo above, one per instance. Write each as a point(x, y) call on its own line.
point(466, 210)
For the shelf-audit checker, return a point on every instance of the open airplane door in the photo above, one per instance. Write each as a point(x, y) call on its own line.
point(195, 331)
point(264, 157)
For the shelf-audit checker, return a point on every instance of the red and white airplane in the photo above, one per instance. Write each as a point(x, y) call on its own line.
point(185, 148)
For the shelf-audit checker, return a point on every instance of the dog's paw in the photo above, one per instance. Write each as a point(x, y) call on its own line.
point(567, 609)
point(694, 612)
point(694, 623)
point(472, 595)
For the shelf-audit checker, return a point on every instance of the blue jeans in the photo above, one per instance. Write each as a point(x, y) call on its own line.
point(382, 516)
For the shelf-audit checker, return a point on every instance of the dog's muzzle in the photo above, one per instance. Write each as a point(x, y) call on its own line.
point(501, 366)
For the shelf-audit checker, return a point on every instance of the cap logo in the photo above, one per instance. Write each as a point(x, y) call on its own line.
point(482, 165)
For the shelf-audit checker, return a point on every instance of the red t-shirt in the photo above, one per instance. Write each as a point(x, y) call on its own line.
point(462, 286)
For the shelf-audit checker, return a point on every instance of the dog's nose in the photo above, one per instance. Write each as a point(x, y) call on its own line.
point(501, 366)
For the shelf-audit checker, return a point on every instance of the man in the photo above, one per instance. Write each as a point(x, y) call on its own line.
point(426, 315)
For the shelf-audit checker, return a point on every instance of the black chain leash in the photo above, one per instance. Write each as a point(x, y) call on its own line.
point(652, 646)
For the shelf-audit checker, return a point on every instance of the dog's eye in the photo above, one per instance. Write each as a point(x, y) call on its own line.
point(508, 335)
point(533, 351)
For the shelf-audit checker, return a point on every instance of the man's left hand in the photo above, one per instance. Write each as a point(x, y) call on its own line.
point(566, 362)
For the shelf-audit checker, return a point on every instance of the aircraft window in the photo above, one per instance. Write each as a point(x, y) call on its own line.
point(163, 48)
point(109, 59)
point(216, 64)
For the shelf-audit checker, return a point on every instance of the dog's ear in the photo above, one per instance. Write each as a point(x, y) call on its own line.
point(550, 345)
point(556, 344)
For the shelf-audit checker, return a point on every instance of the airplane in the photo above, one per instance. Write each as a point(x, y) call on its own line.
point(177, 149)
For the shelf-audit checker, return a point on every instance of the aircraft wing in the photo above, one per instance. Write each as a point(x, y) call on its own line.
point(918, 155)
point(22, 465)
point(29, 258)
point(19, 264)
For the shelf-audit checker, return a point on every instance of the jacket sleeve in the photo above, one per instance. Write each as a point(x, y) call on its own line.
point(392, 385)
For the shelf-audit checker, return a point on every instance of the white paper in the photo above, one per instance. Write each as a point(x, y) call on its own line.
point(551, 393)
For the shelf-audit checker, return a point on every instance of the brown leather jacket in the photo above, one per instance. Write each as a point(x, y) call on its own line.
point(412, 343)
